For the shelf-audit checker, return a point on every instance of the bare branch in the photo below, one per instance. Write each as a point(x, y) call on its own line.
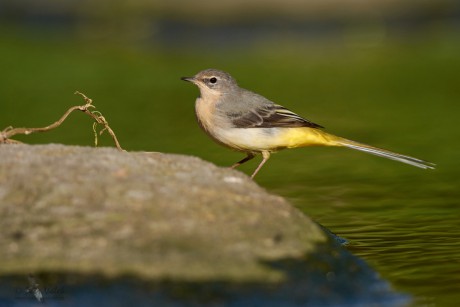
point(7, 133)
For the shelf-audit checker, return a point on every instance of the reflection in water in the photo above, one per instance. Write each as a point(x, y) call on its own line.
point(329, 277)
point(404, 229)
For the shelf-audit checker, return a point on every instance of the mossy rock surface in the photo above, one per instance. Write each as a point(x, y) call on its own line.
point(169, 221)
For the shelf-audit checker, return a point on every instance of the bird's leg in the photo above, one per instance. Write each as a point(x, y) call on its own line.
point(248, 157)
point(266, 156)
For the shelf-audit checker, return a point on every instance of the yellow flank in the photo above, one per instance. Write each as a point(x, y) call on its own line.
point(301, 137)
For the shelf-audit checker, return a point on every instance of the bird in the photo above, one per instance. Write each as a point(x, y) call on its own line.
point(252, 124)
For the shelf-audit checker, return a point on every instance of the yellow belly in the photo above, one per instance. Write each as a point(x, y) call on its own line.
point(301, 137)
point(272, 139)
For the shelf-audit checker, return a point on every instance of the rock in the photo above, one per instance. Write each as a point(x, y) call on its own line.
point(170, 221)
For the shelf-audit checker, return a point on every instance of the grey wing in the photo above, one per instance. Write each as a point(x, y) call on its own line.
point(270, 116)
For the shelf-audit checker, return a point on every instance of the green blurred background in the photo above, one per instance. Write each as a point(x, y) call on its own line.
point(385, 73)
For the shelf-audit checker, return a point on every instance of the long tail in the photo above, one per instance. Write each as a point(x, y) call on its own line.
point(385, 153)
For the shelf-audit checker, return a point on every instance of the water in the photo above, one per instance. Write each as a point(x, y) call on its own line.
point(402, 220)
point(409, 236)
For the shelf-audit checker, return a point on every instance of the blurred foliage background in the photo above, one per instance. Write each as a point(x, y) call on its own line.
point(332, 61)
point(385, 73)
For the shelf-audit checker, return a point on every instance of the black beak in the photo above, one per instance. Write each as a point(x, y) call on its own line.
point(189, 79)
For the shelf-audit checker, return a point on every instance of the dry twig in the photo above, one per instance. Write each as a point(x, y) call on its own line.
point(6, 134)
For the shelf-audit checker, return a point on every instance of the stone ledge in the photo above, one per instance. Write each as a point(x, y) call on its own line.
point(164, 230)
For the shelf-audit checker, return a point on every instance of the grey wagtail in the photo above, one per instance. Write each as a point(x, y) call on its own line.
point(250, 123)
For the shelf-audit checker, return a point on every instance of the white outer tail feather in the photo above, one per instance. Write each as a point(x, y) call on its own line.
point(386, 154)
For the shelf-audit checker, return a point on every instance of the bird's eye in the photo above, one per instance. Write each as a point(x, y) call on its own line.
point(213, 80)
